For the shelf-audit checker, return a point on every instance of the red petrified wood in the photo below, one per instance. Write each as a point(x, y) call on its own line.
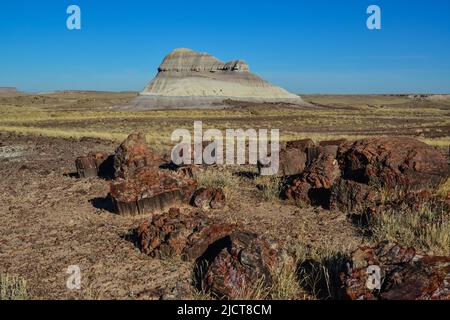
point(242, 267)
point(134, 154)
point(150, 191)
point(404, 275)
point(185, 234)
point(89, 166)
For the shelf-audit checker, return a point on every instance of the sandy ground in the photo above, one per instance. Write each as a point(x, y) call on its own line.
point(50, 219)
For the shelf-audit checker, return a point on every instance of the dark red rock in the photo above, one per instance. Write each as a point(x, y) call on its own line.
point(404, 275)
point(347, 195)
point(90, 165)
point(294, 157)
point(184, 234)
point(134, 154)
point(150, 191)
point(299, 192)
point(323, 172)
point(337, 142)
point(313, 185)
point(393, 162)
point(292, 162)
point(206, 198)
point(246, 264)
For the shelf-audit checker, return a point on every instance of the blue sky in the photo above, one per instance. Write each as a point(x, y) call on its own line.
point(304, 46)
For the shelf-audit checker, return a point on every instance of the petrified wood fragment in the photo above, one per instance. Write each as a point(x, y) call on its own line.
point(91, 165)
point(209, 198)
point(150, 191)
point(134, 154)
point(185, 234)
point(404, 275)
point(243, 266)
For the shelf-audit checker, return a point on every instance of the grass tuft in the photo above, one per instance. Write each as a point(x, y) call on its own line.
point(426, 228)
point(224, 179)
point(12, 288)
point(270, 187)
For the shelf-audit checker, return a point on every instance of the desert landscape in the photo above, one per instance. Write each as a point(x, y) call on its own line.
point(382, 200)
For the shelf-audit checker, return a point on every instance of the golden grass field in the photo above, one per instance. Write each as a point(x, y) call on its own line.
point(91, 114)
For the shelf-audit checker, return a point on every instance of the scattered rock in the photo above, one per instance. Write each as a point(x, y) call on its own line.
point(244, 265)
point(314, 184)
point(404, 274)
point(295, 157)
point(292, 162)
point(393, 162)
point(229, 262)
point(150, 191)
point(184, 234)
point(351, 196)
point(92, 165)
point(134, 154)
point(209, 198)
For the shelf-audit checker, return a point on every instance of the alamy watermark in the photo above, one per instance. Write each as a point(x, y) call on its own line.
point(73, 22)
point(74, 280)
point(374, 20)
point(211, 147)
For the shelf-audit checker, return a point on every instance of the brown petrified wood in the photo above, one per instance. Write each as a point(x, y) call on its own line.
point(134, 154)
point(150, 191)
point(393, 162)
point(186, 234)
point(314, 184)
point(404, 274)
point(295, 157)
point(90, 165)
point(209, 198)
point(245, 265)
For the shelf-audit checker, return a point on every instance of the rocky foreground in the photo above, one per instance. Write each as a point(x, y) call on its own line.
point(364, 177)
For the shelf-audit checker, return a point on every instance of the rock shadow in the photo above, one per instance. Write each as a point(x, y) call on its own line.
point(103, 203)
point(321, 278)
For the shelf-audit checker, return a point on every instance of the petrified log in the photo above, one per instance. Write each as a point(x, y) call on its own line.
point(295, 157)
point(347, 195)
point(185, 234)
point(314, 184)
point(403, 274)
point(150, 191)
point(244, 265)
point(134, 154)
point(90, 165)
point(394, 162)
point(206, 198)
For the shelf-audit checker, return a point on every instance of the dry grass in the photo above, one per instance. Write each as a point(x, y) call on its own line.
point(269, 186)
point(224, 179)
point(12, 288)
point(427, 228)
point(90, 114)
point(319, 268)
point(444, 189)
point(286, 284)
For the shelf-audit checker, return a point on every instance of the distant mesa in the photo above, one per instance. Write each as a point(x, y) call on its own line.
point(190, 79)
point(8, 90)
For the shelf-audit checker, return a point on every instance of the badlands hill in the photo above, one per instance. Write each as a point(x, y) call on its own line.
point(189, 79)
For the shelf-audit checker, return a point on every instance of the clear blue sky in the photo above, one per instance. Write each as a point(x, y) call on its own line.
point(304, 46)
